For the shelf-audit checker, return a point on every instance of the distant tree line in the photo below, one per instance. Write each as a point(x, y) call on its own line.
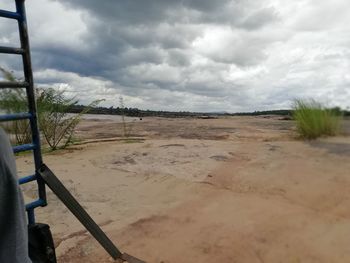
point(268, 112)
point(135, 112)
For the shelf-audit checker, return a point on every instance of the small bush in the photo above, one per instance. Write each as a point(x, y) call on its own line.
point(314, 120)
point(55, 122)
point(14, 101)
point(127, 127)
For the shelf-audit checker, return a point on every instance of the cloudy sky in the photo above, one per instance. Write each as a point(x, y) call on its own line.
point(197, 55)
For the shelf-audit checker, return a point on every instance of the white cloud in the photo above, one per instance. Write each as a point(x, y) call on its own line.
point(155, 73)
point(53, 24)
point(86, 89)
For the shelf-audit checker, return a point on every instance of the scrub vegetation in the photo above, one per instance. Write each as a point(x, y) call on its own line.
point(313, 120)
point(57, 126)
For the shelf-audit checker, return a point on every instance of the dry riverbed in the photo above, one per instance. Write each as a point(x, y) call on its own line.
point(240, 189)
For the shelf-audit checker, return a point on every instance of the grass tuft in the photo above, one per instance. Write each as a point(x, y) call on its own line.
point(313, 120)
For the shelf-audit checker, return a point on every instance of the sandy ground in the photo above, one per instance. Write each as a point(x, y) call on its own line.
point(240, 189)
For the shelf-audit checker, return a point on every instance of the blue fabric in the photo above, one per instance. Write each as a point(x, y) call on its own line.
point(13, 225)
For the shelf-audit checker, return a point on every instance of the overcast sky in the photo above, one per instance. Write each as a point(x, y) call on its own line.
point(196, 55)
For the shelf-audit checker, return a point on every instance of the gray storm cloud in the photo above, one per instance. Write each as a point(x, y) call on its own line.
point(195, 55)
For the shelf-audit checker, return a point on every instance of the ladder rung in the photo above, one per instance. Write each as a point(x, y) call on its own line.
point(9, 14)
point(11, 50)
point(23, 147)
point(7, 84)
point(27, 179)
point(34, 204)
point(15, 116)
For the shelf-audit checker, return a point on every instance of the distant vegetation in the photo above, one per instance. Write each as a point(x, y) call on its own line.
point(314, 120)
point(135, 112)
point(268, 112)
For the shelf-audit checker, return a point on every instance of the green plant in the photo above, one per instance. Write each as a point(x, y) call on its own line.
point(314, 120)
point(56, 124)
point(126, 127)
point(13, 101)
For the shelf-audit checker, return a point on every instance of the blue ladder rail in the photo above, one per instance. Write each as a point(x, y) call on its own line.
point(7, 85)
point(11, 15)
point(12, 50)
point(15, 116)
point(31, 115)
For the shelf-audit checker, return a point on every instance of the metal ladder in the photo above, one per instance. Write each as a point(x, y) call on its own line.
point(43, 175)
point(31, 115)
